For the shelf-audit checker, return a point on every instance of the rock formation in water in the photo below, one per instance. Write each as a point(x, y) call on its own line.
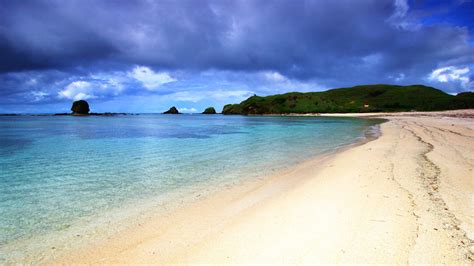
point(209, 111)
point(80, 107)
point(172, 111)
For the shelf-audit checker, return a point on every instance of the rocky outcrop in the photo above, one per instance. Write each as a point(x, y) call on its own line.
point(209, 111)
point(80, 107)
point(232, 109)
point(172, 111)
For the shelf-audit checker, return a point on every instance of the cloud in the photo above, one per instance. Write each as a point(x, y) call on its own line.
point(187, 110)
point(298, 39)
point(150, 79)
point(77, 90)
point(400, 77)
point(217, 95)
point(399, 16)
point(39, 95)
point(274, 82)
point(227, 50)
point(460, 75)
point(93, 86)
point(401, 8)
point(274, 76)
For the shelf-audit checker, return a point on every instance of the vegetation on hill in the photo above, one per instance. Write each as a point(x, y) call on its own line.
point(366, 98)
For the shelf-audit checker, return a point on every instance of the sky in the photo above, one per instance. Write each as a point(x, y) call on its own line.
point(144, 56)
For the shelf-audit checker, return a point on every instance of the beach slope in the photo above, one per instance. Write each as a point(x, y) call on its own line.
point(406, 197)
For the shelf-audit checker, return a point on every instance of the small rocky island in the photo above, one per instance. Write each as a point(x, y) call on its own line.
point(172, 111)
point(80, 107)
point(209, 111)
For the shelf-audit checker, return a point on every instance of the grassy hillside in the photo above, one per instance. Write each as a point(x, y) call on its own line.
point(367, 98)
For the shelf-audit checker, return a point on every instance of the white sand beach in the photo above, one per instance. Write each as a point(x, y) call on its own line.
point(405, 198)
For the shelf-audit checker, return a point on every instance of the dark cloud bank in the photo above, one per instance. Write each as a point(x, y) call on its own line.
point(330, 43)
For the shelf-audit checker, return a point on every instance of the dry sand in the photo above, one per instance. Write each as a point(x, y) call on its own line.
point(406, 197)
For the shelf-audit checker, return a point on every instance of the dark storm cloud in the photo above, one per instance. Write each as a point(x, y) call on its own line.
point(41, 35)
point(299, 38)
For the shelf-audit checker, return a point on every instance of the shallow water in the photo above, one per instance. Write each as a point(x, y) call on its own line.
point(58, 170)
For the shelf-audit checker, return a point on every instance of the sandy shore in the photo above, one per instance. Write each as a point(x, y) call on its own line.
point(406, 197)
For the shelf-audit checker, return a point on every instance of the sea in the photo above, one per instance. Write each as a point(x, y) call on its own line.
point(64, 177)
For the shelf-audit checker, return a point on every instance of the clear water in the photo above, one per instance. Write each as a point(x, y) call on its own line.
point(57, 170)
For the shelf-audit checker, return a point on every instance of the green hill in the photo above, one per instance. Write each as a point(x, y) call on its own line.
point(366, 98)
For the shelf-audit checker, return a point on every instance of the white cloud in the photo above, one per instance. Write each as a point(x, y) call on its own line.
point(401, 9)
point(150, 79)
point(77, 90)
point(219, 95)
point(186, 96)
point(451, 74)
point(372, 59)
point(278, 83)
point(187, 110)
point(39, 95)
point(400, 77)
point(108, 83)
point(400, 17)
point(32, 82)
point(94, 86)
point(397, 78)
point(274, 76)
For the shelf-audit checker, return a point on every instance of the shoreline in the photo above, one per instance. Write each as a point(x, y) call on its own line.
point(462, 113)
point(223, 203)
point(268, 182)
point(395, 199)
point(88, 232)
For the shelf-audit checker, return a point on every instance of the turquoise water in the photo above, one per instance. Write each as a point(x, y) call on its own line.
point(57, 170)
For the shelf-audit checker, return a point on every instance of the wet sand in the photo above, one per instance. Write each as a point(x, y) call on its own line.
point(406, 197)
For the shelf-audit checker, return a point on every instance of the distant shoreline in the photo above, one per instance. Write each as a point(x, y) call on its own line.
point(452, 113)
point(463, 113)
